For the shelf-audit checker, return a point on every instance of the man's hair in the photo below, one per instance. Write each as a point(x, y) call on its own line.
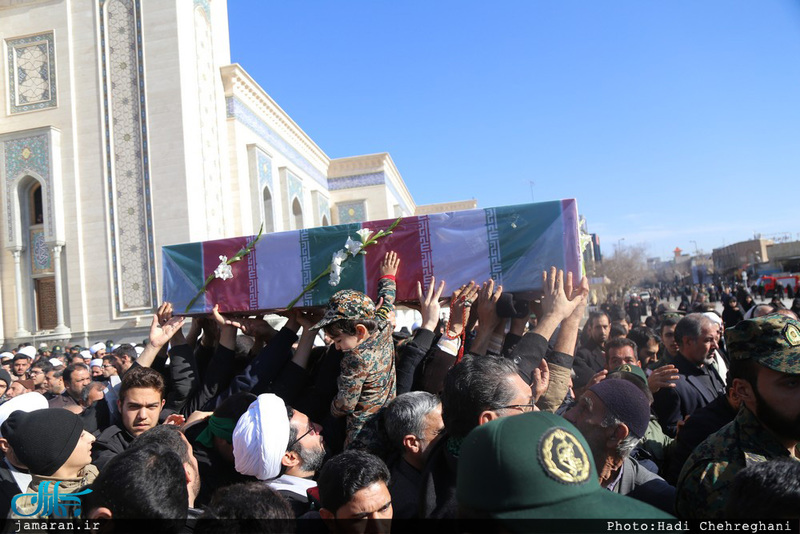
point(690, 327)
point(44, 365)
point(669, 320)
point(348, 326)
point(71, 368)
point(57, 373)
point(126, 349)
point(347, 473)
point(616, 330)
point(746, 370)
point(593, 316)
point(87, 390)
point(642, 335)
point(406, 413)
point(143, 483)
point(765, 489)
point(476, 384)
point(618, 343)
point(617, 314)
point(246, 507)
point(141, 377)
point(164, 437)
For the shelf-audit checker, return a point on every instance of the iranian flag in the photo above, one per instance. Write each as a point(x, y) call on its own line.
point(511, 244)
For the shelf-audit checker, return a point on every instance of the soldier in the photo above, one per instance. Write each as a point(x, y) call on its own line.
point(765, 368)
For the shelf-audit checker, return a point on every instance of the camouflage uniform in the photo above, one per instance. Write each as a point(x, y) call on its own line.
point(367, 377)
point(774, 342)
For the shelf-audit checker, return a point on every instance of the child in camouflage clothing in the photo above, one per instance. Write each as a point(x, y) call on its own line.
point(367, 378)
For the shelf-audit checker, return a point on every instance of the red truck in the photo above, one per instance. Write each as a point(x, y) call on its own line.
point(768, 282)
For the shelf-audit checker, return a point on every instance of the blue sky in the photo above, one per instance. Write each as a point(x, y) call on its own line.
point(670, 121)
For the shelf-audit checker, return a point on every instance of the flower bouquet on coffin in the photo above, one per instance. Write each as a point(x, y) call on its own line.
point(339, 259)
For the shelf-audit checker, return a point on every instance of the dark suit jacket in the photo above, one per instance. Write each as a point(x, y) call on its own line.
point(698, 427)
point(696, 388)
point(589, 360)
point(8, 489)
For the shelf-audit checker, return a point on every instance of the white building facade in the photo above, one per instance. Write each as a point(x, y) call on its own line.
point(125, 128)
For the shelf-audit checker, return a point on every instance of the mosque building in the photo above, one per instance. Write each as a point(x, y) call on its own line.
point(125, 127)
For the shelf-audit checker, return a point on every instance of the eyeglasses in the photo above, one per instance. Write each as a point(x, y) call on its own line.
point(311, 430)
point(108, 366)
point(524, 408)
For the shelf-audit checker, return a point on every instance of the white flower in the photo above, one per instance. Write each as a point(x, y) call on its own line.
point(338, 257)
point(353, 247)
point(223, 270)
point(335, 275)
point(364, 234)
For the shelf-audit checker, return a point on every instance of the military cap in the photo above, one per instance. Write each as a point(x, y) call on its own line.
point(631, 369)
point(772, 340)
point(347, 304)
point(536, 465)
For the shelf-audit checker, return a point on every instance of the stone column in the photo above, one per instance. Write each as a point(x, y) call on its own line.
point(60, 328)
point(21, 331)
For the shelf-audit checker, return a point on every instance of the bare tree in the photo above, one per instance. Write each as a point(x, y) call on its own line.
point(625, 269)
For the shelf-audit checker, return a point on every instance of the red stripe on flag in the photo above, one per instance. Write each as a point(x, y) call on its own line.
point(232, 294)
point(405, 242)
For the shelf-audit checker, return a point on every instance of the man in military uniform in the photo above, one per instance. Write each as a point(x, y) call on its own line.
point(765, 368)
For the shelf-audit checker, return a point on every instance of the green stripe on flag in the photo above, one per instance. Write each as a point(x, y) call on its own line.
point(520, 227)
point(322, 243)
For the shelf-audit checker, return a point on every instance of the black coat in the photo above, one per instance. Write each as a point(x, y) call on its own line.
point(695, 389)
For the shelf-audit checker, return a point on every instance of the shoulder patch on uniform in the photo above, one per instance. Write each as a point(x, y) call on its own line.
point(792, 334)
point(752, 458)
point(563, 457)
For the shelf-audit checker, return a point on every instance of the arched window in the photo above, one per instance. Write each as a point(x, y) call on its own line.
point(35, 209)
point(297, 215)
point(269, 225)
point(325, 221)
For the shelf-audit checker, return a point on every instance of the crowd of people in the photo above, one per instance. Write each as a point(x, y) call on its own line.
point(499, 412)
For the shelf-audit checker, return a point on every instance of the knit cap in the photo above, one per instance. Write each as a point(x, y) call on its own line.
point(43, 440)
point(626, 402)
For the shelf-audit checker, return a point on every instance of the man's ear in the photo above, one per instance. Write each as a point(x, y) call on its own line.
point(329, 518)
point(290, 459)
point(100, 513)
point(621, 431)
point(744, 391)
point(410, 443)
point(486, 416)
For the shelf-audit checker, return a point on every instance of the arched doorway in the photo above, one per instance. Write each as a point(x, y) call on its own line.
point(269, 224)
point(297, 215)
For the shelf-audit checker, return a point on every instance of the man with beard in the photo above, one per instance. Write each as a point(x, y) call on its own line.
point(765, 353)
point(277, 444)
point(698, 383)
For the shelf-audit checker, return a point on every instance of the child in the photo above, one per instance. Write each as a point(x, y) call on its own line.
point(367, 378)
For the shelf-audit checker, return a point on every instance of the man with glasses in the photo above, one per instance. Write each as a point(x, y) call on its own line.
point(281, 446)
point(38, 373)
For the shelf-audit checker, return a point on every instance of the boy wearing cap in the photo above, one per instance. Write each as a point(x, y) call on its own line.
point(54, 447)
point(367, 373)
point(765, 366)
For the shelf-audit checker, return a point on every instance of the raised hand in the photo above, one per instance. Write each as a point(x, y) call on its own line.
point(390, 264)
point(429, 304)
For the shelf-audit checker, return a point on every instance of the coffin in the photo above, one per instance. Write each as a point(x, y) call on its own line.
point(511, 244)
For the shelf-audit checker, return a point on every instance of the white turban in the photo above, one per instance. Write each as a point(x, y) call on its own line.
point(97, 362)
point(713, 317)
point(55, 362)
point(85, 354)
point(27, 402)
point(6, 356)
point(260, 438)
point(28, 351)
point(139, 350)
point(97, 346)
